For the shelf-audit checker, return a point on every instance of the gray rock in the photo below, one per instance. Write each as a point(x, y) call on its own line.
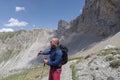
point(99, 17)
point(62, 27)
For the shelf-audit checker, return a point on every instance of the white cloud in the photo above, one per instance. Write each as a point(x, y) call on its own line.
point(19, 9)
point(6, 30)
point(14, 22)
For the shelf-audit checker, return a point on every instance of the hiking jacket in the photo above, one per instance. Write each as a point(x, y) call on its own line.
point(55, 57)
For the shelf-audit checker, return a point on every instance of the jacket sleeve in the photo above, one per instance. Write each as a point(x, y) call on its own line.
point(46, 53)
point(58, 58)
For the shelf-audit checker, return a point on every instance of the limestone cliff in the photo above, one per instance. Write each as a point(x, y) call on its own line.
point(99, 17)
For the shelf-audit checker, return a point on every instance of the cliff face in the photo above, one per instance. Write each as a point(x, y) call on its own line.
point(99, 17)
point(62, 27)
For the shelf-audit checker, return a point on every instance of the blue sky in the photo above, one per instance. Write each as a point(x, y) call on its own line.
point(28, 14)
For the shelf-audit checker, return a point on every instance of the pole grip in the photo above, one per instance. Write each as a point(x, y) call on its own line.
point(44, 63)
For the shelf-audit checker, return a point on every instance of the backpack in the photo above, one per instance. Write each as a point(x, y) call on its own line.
point(64, 50)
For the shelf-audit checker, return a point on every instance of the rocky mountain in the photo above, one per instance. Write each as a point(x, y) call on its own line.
point(62, 27)
point(99, 17)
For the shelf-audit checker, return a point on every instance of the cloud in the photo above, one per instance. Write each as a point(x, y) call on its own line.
point(14, 22)
point(19, 9)
point(6, 30)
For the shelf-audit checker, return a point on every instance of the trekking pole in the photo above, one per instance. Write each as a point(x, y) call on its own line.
point(25, 74)
point(27, 71)
point(42, 70)
point(43, 62)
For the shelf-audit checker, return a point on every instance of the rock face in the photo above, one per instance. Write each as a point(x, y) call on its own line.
point(99, 17)
point(62, 27)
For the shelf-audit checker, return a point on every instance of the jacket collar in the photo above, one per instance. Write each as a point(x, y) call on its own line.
point(55, 48)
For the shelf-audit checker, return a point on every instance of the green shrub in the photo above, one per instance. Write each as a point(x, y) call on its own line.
point(75, 58)
point(110, 78)
point(118, 57)
point(88, 56)
point(91, 61)
point(74, 77)
point(109, 58)
point(115, 64)
point(113, 51)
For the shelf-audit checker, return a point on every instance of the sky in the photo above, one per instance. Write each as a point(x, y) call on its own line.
point(29, 14)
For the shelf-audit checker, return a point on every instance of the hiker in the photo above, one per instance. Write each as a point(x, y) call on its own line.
point(55, 58)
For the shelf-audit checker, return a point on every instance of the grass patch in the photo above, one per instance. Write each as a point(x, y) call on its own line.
point(109, 58)
point(113, 51)
point(118, 57)
point(115, 64)
point(74, 71)
point(84, 75)
point(76, 58)
point(30, 74)
point(110, 78)
point(91, 61)
point(88, 56)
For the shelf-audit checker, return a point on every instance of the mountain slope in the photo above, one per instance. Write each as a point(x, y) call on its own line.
point(111, 41)
point(20, 50)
